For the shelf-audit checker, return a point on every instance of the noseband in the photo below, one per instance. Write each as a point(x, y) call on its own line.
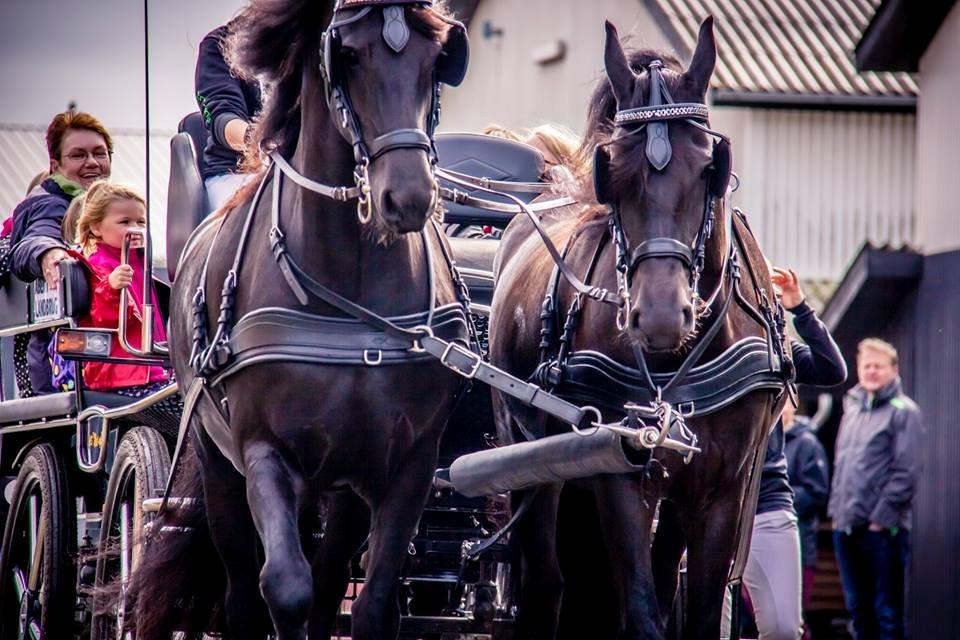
point(451, 69)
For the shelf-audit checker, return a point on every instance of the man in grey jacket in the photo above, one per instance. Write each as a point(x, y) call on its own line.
point(875, 472)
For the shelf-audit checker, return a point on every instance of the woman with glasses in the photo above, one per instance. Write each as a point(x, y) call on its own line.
point(80, 150)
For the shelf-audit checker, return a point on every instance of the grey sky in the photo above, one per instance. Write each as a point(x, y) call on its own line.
point(92, 51)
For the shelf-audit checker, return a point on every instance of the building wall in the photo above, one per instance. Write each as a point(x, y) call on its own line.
point(817, 184)
point(935, 575)
point(938, 133)
point(504, 84)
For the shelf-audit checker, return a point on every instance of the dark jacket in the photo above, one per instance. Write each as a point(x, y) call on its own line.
point(810, 480)
point(819, 363)
point(877, 459)
point(221, 97)
point(36, 228)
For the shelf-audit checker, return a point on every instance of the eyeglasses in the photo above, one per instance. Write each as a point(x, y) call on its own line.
point(79, 155)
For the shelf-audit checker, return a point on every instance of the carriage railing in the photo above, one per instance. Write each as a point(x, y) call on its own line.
point(148, 347)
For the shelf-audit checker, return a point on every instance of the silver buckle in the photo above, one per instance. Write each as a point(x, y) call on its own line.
point(453, 346)
point(368, 360)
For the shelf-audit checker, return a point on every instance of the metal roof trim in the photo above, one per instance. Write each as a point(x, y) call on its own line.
point(783, 48)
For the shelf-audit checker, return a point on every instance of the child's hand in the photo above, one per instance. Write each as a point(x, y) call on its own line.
point(122, 277)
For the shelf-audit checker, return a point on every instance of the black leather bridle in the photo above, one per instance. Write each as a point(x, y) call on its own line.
point(654, 118)
point(450, 69)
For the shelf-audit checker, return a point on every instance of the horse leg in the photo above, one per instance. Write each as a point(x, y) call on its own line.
point(626, 523)
point(347, 524)
point(541, 582)
point(376, 611)
point(235, 539)
point(668, 547)
point(274, 491)
point(711, 544)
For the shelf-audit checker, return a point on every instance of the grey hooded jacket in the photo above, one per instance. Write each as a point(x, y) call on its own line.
point(877, 459)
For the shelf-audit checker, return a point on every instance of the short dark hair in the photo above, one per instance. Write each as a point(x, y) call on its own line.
point(63, 122)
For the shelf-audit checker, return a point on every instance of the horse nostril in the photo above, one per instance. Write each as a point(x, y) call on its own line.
point(388, 201)
point(687, 316)
point(635, 320)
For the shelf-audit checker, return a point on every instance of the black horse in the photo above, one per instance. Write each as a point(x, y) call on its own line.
point(665, 238)
point(299, 398)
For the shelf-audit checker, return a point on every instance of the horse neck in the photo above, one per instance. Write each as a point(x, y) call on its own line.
point(327, 237)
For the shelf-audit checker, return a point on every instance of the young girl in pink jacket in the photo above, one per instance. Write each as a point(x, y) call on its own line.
point(109, 210)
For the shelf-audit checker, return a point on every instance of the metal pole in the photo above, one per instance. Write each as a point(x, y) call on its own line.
point(146, 94)
point(147, 345)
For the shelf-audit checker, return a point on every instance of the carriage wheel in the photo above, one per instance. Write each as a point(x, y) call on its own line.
point(140, 471)
point(37, 588)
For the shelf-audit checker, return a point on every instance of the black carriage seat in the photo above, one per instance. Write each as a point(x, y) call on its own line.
point(483, 156)
point(187, 204)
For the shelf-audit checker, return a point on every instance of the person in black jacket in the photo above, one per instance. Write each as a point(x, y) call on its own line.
point(810, 480)
point(772, 575)
point(228, 104)
point(80, 150)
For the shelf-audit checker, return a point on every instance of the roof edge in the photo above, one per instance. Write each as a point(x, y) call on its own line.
point(813, 101)
point(902, 265)
point(897, 35)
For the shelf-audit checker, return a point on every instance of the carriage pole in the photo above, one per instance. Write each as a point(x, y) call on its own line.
point(146, 341)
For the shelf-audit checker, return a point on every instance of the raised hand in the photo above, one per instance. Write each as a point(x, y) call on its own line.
point(787, 284)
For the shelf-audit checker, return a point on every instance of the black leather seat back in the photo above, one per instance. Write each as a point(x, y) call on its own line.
point(186, 196)
point(193, 125)
point(483, 156)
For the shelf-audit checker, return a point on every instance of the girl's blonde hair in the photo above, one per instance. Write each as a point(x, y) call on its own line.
point(94, 205)
point(561, 142)
point(68, 228)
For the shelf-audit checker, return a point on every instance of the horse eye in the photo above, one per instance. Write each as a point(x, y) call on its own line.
point(349, 57)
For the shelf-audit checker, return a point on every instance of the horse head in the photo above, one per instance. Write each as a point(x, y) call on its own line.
point(661, 173)
point(373, 75)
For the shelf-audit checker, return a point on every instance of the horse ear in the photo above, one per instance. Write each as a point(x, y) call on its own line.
point(699, 72)
point(619, 74)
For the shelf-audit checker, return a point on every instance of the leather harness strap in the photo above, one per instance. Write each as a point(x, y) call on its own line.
point(595, 293)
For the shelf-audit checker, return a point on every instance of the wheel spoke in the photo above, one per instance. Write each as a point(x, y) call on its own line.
point(37, 561)
point(19, 583)
point(124, 541)
point(32, 522)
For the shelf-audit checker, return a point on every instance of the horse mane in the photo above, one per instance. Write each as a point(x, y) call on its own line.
point(600, 113)
point(272, 40)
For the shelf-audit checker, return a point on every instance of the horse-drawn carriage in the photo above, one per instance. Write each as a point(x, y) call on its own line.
point(308, 415)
